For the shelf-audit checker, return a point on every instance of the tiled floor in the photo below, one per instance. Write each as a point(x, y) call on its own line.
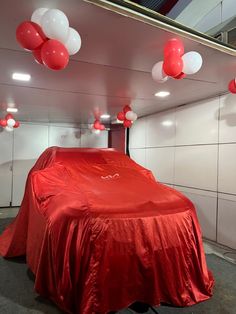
point(8, 212)
point(220, 250)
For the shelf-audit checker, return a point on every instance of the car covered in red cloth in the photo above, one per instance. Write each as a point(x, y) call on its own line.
point(100, 233)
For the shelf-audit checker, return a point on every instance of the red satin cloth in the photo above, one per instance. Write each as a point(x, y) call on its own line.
point(99, 233)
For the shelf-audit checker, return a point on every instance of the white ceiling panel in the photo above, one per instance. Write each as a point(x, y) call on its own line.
point(112, 68)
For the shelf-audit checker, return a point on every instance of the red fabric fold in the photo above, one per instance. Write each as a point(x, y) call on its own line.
point(99, 233)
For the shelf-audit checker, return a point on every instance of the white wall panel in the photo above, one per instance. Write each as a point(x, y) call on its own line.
point(196, 166)
point(227, 168)
point(205, 204)
point(227, 220)
point(197, 155)
point(138, 134)
point(6, 141)
point(90, 139)
point(29, 142)
point(138, 155)
point(161, 162)
point(160, 129)
point(197, 123)
point(64, 136)
point(227, 126)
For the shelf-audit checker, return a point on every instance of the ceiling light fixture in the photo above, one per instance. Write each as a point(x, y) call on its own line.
point(167, 123)
point(162, 94)
point(12, 109)
point(105, 116)
point(118, 121)
point(21, 77)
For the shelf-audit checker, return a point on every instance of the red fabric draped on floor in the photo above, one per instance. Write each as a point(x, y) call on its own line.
point(99, 233)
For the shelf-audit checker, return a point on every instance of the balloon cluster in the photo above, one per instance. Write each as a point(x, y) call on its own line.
point(176, 63)
point(49, 37)
point(97, 125)
point(9, 123)
point(127, 116)
point(232, 86)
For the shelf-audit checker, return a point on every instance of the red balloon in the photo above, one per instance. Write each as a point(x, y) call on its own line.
point(173, 45)
point(232, 86)
point(37, 55)
point(173, 65)
point(3, 122)
point(121, 116)
point(127, 123)
point(180, 76)
point(102, 127)
point(54, 55)
point(9, 116)
point(30, 35)
point(97, 125)
point(17, 124)
point(126, 108)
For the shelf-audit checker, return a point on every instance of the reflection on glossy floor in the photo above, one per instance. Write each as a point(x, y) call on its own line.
point(8, 212)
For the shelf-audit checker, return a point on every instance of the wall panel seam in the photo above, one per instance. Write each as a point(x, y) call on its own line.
point(217, 173)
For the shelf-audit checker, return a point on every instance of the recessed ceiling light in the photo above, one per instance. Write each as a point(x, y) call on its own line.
point(21, 77)
point(105, 116)
point(167, 123)
point(162, 94)
point(116, 121)
point(119, 121)
point(12, 109)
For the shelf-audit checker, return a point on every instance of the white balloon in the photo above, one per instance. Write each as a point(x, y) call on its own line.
point(192, 61)
point(55, 25)
point(130, 115)
point(11, 122)
point(37, 15)
point(158, 74)
point(73, 42)
point(135, 117)
point(9, 129)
